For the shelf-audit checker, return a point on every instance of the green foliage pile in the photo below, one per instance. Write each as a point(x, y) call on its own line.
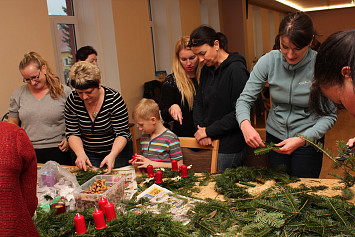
point(281, 211)
point(226, 183)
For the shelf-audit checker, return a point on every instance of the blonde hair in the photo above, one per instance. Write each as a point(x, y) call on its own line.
point(145, 109)
point(84, 75)
point(55, 87)
point(183, 83)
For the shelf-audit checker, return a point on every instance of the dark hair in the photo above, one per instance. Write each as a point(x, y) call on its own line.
point(298, 27)
point(83, 53)
point(336, 52)
point(207, 35)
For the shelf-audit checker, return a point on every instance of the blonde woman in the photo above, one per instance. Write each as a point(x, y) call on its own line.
point(179, 89)
point(38, 106)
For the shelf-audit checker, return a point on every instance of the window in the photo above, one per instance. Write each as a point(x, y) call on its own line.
point(63, 24)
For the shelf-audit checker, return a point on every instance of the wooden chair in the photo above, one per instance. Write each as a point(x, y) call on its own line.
point(196, 158)
point(134, 139)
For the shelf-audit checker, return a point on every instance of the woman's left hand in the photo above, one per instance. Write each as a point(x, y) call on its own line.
point(201, 133)
point(290, 145)
point(109, 160)
point(64, 145)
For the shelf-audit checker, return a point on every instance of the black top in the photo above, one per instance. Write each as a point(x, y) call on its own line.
point(111, 121)
point(171, 95)
point(214, 105)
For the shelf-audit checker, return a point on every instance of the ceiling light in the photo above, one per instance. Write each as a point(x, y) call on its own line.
point(291, 5)
point(328, 7)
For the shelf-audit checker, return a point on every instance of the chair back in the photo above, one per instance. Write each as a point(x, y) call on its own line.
point(200, 160)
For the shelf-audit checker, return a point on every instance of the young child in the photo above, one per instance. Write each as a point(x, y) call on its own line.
point(158, 144)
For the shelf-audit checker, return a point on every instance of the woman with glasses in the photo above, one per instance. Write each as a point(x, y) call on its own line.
point(96, 121)
point(179, 88)
point(222, 79)
point(38, 106)
point(289, 72)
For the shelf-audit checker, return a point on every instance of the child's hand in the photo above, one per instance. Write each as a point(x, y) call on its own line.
point(134, 160)
point(142, 162)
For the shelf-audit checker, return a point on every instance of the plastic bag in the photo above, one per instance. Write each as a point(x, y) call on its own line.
point(53, 180)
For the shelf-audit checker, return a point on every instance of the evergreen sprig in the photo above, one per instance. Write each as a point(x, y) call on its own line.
point(348, 165)
point(264, 150)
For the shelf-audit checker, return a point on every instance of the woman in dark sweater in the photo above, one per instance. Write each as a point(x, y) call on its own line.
point(223, 78)
point(179, 89)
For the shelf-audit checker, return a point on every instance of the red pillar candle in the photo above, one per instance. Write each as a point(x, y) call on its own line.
point(174, 165)
point(80, 226)
point(110, 211)
point(150, 171)
point(158, 177)
point(102, 204)
point(183, 170)
point(99, 219)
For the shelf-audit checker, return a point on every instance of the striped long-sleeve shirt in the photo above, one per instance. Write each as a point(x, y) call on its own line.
point(162, 148)
point(111, 121)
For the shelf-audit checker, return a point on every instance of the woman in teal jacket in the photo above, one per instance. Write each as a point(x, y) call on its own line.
point(289, 72)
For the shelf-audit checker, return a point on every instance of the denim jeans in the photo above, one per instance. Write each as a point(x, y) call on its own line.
point(232, 160)
point(121, 160)
point(304, 162)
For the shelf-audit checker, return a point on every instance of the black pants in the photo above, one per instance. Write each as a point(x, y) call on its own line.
point(46, 154)
point(304, 162)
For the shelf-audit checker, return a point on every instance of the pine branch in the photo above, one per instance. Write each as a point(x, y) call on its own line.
point(264, 150)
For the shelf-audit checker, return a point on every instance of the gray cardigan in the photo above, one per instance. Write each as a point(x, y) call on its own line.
point(289, 89)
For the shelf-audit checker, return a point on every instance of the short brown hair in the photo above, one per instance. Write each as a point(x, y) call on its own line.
point(84, 75)
point(145, 109)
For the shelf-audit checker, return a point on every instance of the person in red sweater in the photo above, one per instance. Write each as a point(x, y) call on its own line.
point(18, 182)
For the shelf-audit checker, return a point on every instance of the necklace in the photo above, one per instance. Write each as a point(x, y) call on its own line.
point(94, 113)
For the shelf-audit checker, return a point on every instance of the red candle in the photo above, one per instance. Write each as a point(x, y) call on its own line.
point(158, 177)
point(174, 165)
point(102, 204)
point(150, 171)
point(80, 226)
point(110, 211)
point(183, 170)
point(99, 219)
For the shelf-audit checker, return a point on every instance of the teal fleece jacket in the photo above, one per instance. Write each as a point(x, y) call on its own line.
point(289, 89)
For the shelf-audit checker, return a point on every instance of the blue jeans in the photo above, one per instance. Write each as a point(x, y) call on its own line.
point(121, 160)
point(304, 162)
point(232, 160)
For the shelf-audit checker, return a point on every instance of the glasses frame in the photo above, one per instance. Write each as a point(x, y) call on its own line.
point(28, 80)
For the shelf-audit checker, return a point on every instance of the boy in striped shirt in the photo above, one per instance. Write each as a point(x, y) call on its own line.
point(159, 145)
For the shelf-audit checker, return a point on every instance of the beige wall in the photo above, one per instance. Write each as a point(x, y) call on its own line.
point(232, 17)
point(25, 27)
point(134, 48)
point(330, 21)
point(190, 15)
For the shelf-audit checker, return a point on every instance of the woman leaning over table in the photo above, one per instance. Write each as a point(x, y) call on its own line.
point(39, 107)
point(179, 89)
point(334, 74)
point(223, 78)
point(289, 72)
point(96, 121)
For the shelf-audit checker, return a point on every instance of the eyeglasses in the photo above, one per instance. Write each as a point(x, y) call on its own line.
point(28, 80)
